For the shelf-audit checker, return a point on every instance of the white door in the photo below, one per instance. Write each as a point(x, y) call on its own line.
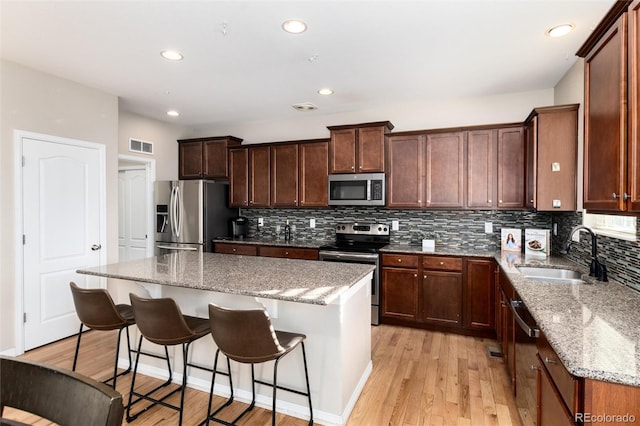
point(132, 214)
point(62, 224)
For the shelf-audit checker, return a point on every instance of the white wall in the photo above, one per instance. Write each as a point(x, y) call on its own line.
point(33, 101)
point(162, 135)
point(570, 90)
point(507, 108)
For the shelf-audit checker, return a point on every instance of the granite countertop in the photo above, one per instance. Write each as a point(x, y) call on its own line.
point(312, 244)
point(439, 250)
point(303, 281)
point(593, 327)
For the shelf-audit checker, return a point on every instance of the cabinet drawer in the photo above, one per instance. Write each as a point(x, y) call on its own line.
point(400, 260)
point(567, 385)
point(244, 249)
point(442, 262)
point(289, 252)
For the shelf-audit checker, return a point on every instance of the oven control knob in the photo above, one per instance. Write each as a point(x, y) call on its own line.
point(385, 229)
point(338, 227)
point(379, 228)
point(343, 228)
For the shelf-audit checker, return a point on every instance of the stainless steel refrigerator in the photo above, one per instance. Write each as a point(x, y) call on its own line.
point(190, 213)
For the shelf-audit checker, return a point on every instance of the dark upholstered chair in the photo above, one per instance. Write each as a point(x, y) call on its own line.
point(161, 322)
point(96, 311)
point(247, 336)
point(58, 395)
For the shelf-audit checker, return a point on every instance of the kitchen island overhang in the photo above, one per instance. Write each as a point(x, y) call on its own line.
point(329, 302)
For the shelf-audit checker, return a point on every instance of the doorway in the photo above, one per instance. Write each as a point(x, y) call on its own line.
point(61, 226)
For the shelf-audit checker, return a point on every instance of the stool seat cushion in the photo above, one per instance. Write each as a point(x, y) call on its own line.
point(126, 312)
point(288, 340)
point(199, 326)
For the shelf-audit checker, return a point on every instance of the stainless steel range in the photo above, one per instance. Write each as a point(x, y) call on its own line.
point(360, 242)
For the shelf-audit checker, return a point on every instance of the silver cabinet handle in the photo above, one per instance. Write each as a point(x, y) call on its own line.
point(550, 360)
point(96, 247)
point(624, 196)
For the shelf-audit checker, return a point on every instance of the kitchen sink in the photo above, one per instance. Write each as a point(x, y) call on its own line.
point(552, 275)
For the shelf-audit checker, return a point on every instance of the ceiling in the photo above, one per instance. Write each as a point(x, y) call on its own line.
point(239, 65)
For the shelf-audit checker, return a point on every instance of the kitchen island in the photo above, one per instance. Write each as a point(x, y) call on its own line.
point(329, 302)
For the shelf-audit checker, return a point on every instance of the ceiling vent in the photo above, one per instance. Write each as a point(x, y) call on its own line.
point(136, 145)
point(306, 106)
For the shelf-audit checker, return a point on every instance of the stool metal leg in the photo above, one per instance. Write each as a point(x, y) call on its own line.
point(306, 377)
point(75, 357)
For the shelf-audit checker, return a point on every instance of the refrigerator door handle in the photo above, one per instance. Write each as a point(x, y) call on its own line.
point(177, 248)
point(172, 210)
point(178, 211)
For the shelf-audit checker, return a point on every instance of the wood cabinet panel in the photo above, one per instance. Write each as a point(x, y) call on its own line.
point(400, 293)
point(481, 168)
point(605, 130)
point(215, 163)
point(442, 297)
point(284, 175)
point(551, 409)
point(400, 260)
point(567, 385)
point(259, 172)
point(444, 170)
point(239, 181)
point(404, 171)
point(370, 150)
point(511, 168)
point(342, 152)
point(479, 294)
point(633, 143)
point(314, 171)
point(243, 249)
point(190, 160)
point(613, 399)
point(288, 252)
point(445, 263)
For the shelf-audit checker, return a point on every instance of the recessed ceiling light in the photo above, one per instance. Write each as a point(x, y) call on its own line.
point(560, 30)
point(172, 55)
point(294, 26)
point(306, 106)
point(173, 113)
point(325, 91)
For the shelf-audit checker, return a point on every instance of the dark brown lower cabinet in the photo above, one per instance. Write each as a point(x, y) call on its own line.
point(551, 408)
point(400, 293)
point(442, 297)
point(479, 287)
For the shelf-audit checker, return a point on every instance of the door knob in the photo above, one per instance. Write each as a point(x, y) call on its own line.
point(96, 247)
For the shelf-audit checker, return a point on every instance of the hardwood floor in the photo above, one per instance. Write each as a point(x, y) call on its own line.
point(419, 378)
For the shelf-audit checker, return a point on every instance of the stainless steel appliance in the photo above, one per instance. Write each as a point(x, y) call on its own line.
point(190, 213)
point(239, 227)
point(525, 334)
point(360, 243)
point(364, 189)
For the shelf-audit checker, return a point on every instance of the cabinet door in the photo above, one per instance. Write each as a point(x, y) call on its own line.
point(214, 160)
point(444, 170)
point(531, 138)
point(551, 408)
point(370, 149)
point(480, 298)
point(314, 171)
point(239, 181)
point(511, 170)
point(404, 171)
point(190, 160)
point(400, 293)
point(634, 109)
point(605, 115)
point(442, 297)
point(284, 175)
point(481, 169)
point(342, 151)
point(259, 182)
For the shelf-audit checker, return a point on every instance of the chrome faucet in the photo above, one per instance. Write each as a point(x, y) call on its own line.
point(596, 269)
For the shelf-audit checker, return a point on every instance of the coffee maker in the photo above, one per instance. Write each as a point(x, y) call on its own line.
point(239, 227)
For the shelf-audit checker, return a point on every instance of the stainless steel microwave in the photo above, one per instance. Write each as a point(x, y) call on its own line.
point(364, 189)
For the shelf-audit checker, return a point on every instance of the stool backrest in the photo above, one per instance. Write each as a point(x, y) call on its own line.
point(95, 308)
point(58, 395)
point(244, 335)
point(160, 320)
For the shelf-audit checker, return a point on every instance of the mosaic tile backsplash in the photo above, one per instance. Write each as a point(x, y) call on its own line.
point(452, 228)
point(455, 229)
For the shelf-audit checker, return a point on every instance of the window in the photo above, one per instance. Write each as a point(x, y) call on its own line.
point(622, 227)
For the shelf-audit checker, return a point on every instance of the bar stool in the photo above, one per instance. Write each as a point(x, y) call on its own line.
point(160, 321)
point(248, 337)
point(96, 310)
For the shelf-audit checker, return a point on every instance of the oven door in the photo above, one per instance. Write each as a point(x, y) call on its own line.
point(366, 258)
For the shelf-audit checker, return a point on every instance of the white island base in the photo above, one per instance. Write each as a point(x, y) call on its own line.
point(338, 348)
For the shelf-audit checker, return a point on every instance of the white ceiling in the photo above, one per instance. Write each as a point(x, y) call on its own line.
point(372, 53)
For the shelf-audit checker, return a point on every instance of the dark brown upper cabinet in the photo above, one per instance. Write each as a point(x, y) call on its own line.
point(250, 184)
point(444, 170)
point(205, 158)
point(358, 148)
point(482, 171)
point(552, 158)
point(612, 112)
point(284, 175)
point(511, 168)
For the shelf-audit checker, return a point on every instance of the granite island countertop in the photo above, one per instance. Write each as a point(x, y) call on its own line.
point(594, 328)
point(303, 281)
